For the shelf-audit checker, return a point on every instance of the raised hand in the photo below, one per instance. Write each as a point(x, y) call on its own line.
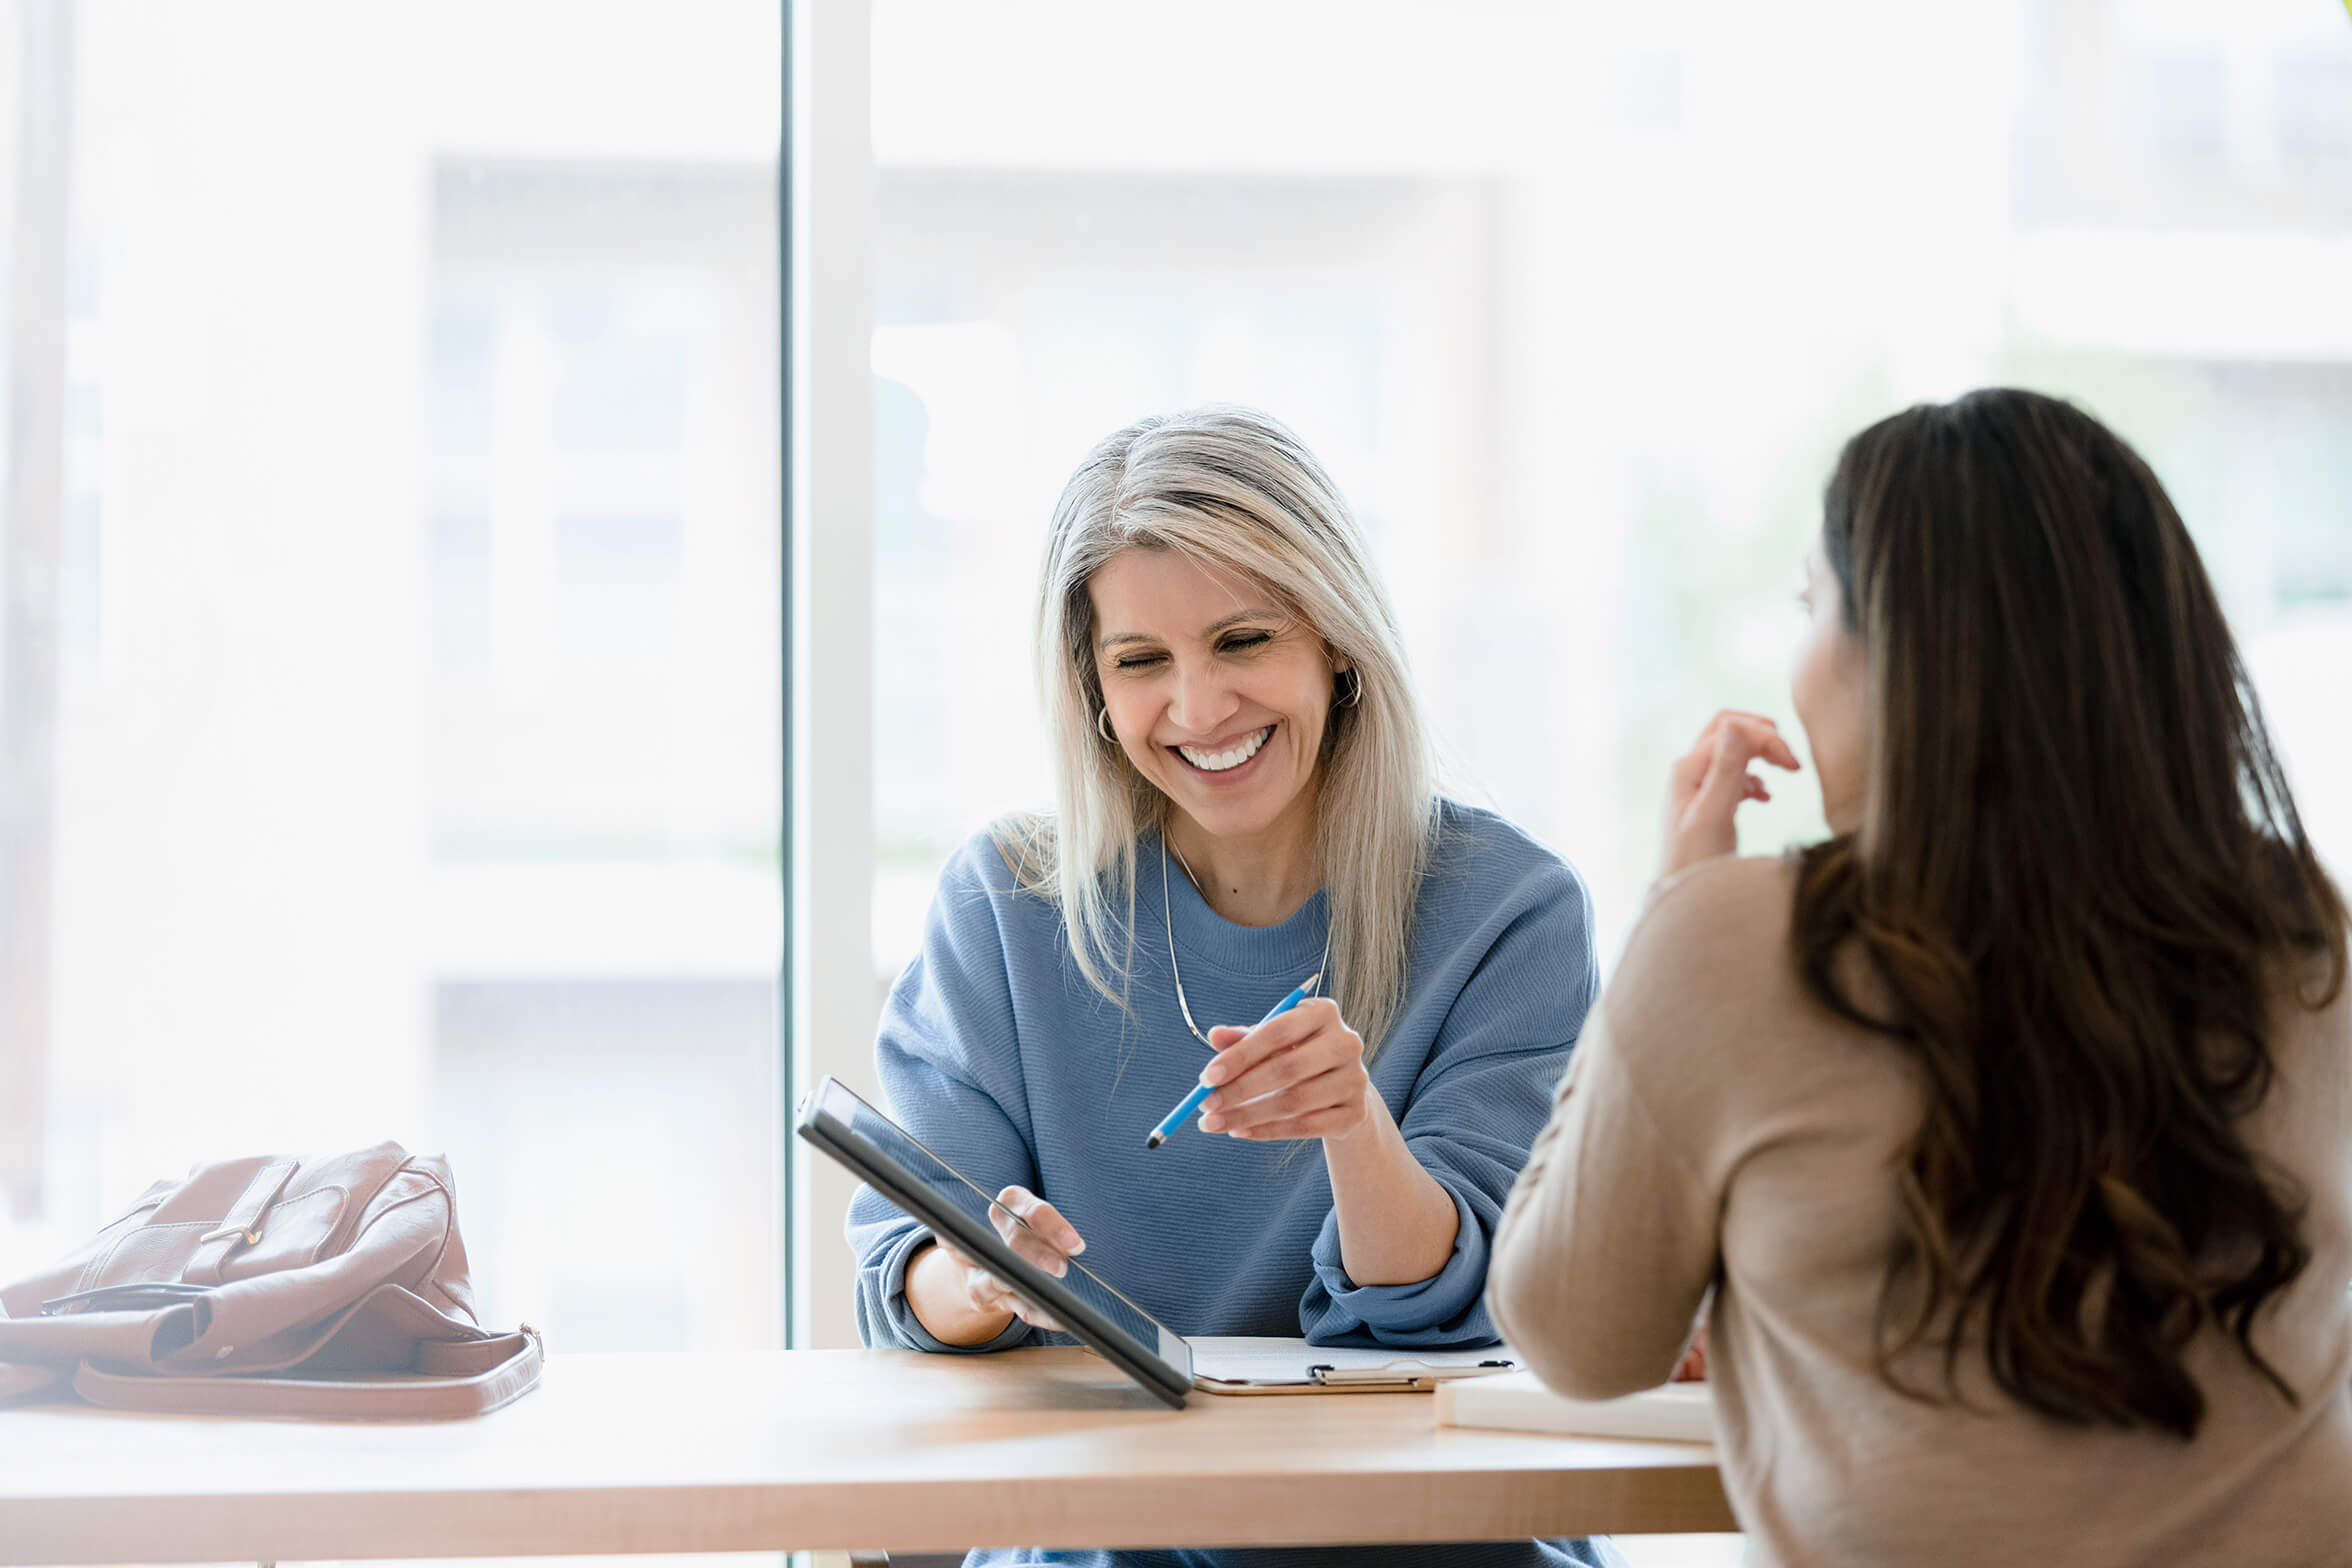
point(1711, 780)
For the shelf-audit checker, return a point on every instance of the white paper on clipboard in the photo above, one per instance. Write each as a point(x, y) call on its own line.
point(1252, 1364)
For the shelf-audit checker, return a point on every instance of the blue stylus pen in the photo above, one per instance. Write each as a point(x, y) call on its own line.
point(1192, 1102)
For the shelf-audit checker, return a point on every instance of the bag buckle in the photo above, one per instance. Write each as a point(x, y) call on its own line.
point(252, 1237)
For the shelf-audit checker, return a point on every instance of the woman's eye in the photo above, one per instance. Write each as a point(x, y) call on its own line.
point(1137, 661)
point(1246, 641)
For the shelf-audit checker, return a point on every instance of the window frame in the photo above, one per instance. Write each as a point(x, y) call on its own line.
point(827, 1002)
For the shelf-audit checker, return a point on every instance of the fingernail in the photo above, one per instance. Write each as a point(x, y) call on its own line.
point(1212, 1124)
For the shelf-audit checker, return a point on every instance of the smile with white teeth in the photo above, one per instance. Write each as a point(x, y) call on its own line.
point(1221, 761)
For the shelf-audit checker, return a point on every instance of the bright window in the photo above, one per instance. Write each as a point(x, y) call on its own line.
point(390, 715)
point(1577, 304)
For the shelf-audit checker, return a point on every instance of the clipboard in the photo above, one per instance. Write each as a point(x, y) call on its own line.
point(1242, 1366)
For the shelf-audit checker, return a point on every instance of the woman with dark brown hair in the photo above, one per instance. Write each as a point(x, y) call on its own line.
point(2011, 1127)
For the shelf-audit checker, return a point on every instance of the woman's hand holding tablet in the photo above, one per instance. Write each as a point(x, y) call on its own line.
point(1014, 1235)
point(972, 1305)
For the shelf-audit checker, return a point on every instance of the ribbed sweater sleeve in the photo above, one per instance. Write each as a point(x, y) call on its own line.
point(1476, 1106)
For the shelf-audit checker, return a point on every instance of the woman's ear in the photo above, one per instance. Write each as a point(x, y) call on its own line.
point(1347, 682)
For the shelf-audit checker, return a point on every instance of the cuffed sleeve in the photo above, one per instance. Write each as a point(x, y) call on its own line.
point(1473, 1111)
point(1440, 1310)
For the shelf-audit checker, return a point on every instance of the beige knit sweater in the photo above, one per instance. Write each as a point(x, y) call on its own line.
point(1720, 1128)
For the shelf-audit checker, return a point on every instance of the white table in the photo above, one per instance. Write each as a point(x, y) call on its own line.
point(819, 1450)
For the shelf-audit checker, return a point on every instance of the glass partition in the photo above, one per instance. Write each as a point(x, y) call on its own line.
point(390, 719)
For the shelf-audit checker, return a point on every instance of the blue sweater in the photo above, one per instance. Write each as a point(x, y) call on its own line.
point(996, 1054)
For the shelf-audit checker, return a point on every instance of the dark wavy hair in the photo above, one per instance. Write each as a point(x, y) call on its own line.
point(2076, 875)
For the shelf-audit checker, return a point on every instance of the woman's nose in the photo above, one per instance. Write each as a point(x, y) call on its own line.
point(1202, 702)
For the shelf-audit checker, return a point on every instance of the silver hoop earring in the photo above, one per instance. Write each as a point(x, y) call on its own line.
point(1355, 688)
point(1102, 724)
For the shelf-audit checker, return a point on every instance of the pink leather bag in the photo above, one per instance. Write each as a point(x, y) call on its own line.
point(327, 1286)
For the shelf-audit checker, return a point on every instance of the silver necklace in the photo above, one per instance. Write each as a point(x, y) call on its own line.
point(1167, 919)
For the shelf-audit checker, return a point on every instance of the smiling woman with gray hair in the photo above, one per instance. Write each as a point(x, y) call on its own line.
point(1245, 803)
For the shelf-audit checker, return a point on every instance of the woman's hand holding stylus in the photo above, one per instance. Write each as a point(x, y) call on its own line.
point(1299, 1075)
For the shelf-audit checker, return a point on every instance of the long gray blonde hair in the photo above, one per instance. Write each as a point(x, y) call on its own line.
point(1234, 490)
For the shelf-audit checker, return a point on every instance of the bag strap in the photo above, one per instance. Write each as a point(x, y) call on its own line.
point(241, 1226)
point(453, 1379)
point(138, 1295)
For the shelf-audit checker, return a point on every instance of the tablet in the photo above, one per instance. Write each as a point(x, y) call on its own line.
point(887, 1158)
